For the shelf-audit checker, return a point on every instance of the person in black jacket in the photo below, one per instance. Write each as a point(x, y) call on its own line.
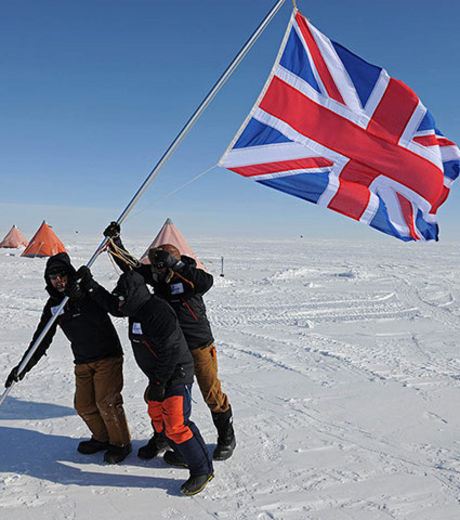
point(181, 283)
point(161, 352)
point(98, 360)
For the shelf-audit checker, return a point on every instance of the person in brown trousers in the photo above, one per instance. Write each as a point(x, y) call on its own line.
point(98, 360)
point(179, 281)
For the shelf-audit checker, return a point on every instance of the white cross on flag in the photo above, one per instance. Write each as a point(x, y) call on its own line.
point(337, 131)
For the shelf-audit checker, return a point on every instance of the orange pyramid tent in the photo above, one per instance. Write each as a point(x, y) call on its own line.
point(169, 234)
point(14, 238)
point(44, 243)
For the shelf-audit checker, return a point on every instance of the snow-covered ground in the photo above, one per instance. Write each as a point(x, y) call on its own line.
point(341, 361)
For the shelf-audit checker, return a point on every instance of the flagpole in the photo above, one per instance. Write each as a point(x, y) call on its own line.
point(156, 170)
point(201, 108)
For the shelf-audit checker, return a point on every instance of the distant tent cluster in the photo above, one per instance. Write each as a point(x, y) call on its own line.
point(46, 243)
point(43, 243)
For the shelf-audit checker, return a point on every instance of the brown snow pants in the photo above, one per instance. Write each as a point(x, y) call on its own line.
point(98, 400)
point(205, 360)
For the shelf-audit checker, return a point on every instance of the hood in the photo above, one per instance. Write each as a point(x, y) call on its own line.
point(131, 286)
point(59, 262)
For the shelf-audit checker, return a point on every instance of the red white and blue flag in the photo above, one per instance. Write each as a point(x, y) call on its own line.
point(335, 130)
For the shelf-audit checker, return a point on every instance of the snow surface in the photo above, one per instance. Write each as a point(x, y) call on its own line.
point(341, 361)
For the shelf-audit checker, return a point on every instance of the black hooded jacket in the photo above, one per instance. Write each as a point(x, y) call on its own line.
point(158, 343)
point(184, 292)
point(86, 325)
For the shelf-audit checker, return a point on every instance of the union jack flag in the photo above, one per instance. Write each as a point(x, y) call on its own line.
point(335, 130)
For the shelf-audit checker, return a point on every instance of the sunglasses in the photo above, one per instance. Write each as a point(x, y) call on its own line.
point(54, 276)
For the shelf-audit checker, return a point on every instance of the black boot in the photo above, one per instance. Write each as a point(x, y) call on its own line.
point(92, 446)
point(116, 454)
point(174, 459)
point(156, 444)
point(195, 484)
point(226, 441)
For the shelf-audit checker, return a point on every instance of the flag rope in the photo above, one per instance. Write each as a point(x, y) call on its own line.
point(121, 253)
point(114, 265)
point(156, 170)
point(163, 197)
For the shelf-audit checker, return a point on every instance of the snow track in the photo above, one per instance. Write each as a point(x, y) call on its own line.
point(342, 365)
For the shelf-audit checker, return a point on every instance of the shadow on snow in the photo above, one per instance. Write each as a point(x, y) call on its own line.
point(51, 457)
point(14, 408)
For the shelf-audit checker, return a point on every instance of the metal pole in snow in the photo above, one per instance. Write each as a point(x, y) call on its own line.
point(163, 160)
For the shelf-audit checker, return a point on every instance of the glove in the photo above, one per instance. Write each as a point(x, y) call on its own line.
point(87, 282)
point(156, 391)
point(112, 230)
point(14, 377)
point(74, 291)
point(162, 259)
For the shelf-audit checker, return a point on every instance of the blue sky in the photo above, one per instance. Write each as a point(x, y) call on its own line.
point(92, 93)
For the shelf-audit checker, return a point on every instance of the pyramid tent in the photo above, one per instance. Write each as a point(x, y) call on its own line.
point(169, 234)
point(44, 243)
point(14, 238)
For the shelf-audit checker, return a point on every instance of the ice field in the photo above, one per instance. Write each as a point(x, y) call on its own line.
point(342, 363)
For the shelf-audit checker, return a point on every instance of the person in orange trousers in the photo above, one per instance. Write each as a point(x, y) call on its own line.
point(161, 352)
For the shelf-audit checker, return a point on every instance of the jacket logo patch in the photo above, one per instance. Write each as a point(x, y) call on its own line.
point(54, 310)
point(177, 288)
point(136, 329)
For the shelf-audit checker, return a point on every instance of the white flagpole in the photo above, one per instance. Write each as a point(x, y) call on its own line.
point(156, 170)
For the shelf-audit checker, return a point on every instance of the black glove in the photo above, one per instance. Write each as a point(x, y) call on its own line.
point(74, 291)
point(14, 377)
point(112, 230)
point(87, 282)
point(156, 391)
point(161, 259)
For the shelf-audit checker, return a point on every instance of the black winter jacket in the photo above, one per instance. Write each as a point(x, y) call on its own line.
point(158, 343)
point(86, 325)
point(184, 293)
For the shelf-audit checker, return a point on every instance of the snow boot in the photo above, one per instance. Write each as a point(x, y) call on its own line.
point(92, 446)
point(116, 454)
point(195, 484)
point(156, 444)
point(174, 459)
point(226, 441)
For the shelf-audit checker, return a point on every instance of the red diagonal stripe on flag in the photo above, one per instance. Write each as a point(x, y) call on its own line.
point(442, 141)
point(441, 200)
point(282, 166)
point(408, 214)
point(432, 140)
point(321, 66)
